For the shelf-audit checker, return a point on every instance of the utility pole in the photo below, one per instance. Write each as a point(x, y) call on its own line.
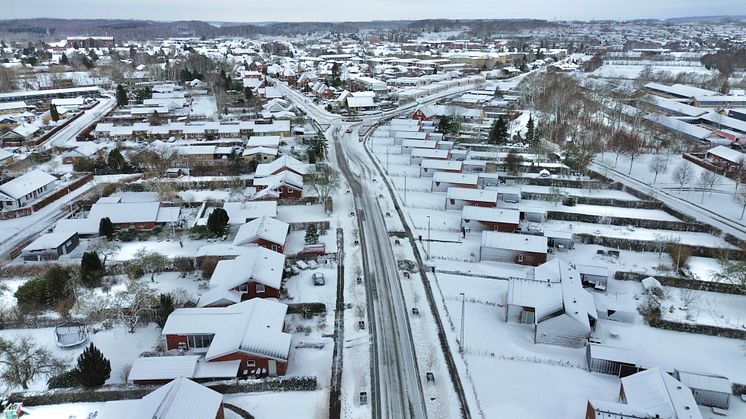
point(463, 310)
point(428, 237)
point(405, 189)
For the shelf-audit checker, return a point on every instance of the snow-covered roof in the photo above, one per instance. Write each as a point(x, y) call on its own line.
point(441, 164)
point(125, 212)
point(413, 143)
point(283, 178)
point(456, 178)
point(25, 184)
point(260, 150)
point(610, 353)
point(430, 154)
point(360, 102)
point(492, 215)
point(656, 391)
point(704, 381)
point(181, 398)
point(284, 162)
point(9, 106)
point(259, 265)
point(727, 153)
point(243, 212)
point(511, 241)
point(49, 241)
point(475, 195)
point(254, 326)
point(264, 141)
point(680, 90)
point(163, 367)
point(265, 228)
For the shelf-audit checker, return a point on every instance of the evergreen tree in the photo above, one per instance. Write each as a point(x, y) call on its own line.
point(312, 234)
point(93, 368)
point(116, 162)
point(106, 228)
point(531, 131)
point(217, 221)
point(499, 131)
point(122, 98)
point(165, 307)
point(91, 269)
point(64, 60)
point(53, 113)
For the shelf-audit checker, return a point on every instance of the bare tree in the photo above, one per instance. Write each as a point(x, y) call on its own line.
point(683, 174)
point(706, 181)
point(741, 198)
point(105, 248)
point(689, 296)
point(22, 361)
point(324, 180)
point(135, 304)
point(658, 164)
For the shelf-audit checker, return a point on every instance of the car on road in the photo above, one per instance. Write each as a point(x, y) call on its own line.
point(318, 279)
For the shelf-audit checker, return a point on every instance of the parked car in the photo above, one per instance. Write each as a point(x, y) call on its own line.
point(318, 278)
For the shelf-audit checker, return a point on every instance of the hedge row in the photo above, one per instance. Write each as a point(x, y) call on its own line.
point(591, 200)
point(129, 392)
point(562, 183)
point(302, 308)
point(701, 329)
point(652, 246)
point(694, 284)
point(624, 221)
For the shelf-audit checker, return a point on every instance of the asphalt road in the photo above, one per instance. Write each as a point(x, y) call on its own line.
point(395, 379)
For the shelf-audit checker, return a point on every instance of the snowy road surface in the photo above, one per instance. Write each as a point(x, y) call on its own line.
point(397, 388)
point(70, 132)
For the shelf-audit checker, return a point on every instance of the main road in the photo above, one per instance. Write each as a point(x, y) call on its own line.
point(395, 379)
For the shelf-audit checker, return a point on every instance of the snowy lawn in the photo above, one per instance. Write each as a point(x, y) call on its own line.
point(120, 347)
point(282, 405)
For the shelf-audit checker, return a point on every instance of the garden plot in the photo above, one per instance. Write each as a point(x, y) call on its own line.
point(703, 307)
point(120, 347)
point(637, 233)
point(296, 241)
point(193, 195)
point(282, 405)
point(603, 211)
point(721, 201)
point(590, 193)
point(302, 290)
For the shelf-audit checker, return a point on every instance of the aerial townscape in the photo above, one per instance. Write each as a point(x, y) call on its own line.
point(370, 214)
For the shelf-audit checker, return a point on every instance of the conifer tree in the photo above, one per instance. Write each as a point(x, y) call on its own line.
point(93, 368)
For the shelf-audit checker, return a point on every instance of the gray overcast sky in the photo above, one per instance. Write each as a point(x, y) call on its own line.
point(339, 10)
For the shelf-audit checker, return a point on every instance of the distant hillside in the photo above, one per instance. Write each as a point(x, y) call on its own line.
point(696, 19)
point(51, 29)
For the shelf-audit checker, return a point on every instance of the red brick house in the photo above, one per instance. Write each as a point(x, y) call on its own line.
point(254, 274)
point(458, 198)
point(477, 219)
point(522, 249)
point(285, 185)
point(266, 232)
point(250, 332)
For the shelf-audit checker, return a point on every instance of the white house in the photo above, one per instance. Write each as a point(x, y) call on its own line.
point(18, 192)
point(554, 303)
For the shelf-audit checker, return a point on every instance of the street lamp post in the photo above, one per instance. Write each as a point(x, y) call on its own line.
point(428, 237)
point(463, 310)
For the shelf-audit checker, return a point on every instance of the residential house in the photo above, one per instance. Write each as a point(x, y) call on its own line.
point(443, 180)
point(250, 332)
point(284, 185)
point(266, 232)
point(708, 390)
point(457, 198)
point(18, 192)
point(50, 246)
point(554, 303)
point(522, 249)
point(648, 394)
point(243, 212)
point(610, 360)
point(256, 273)
point(284, 163)
point(429, 167)
point(478, 219)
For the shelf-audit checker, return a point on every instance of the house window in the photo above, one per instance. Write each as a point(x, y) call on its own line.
point(199, 341)
point(260, 288)
point(520, 257)
point(250, 363)
point(274, 247)
point(243, 288)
